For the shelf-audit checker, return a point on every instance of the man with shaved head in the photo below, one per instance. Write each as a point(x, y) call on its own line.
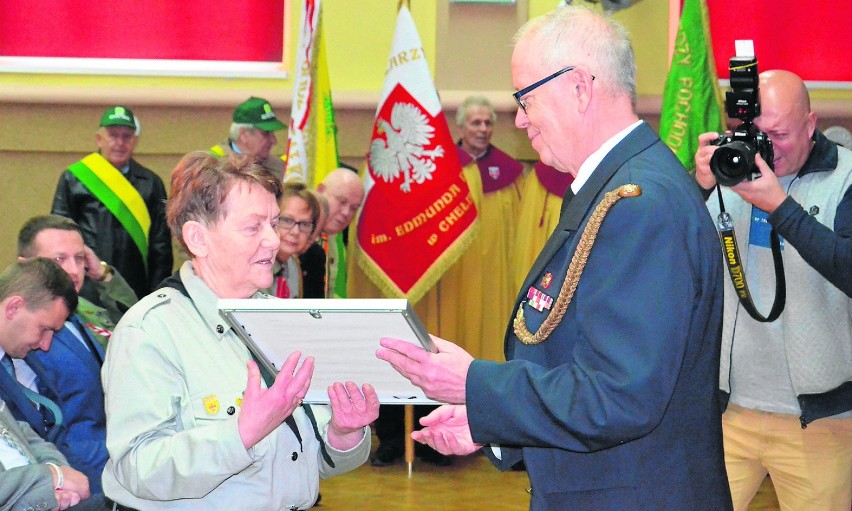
point(343, 191)
point(788, 383)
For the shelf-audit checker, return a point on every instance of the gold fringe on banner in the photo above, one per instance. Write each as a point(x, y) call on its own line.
point(450, 256)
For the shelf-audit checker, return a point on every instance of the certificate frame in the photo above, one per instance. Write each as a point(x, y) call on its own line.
point(341, 334)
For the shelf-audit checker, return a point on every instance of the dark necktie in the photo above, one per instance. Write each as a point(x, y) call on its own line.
point(569, 194)
point(33, 396)
point(9, 366)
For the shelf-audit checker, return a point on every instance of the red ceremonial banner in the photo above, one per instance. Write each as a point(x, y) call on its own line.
point(418, 215)
point(403, 232)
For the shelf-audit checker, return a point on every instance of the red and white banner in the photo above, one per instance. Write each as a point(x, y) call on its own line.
point(296, 161)
point(418, 215)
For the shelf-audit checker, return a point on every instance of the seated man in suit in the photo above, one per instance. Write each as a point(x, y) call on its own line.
point(35, 297)
point(73, 363)
point(35, 475)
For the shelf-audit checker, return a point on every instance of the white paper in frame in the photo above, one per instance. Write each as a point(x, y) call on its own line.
point(341, 335)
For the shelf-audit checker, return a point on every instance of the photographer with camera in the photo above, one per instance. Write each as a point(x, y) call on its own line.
point(787, 382)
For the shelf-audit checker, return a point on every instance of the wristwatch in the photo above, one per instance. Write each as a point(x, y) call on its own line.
point(107, 271)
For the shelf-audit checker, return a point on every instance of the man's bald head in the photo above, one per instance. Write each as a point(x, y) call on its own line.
point(344, 192)
point(785, 115)
point(783, 87)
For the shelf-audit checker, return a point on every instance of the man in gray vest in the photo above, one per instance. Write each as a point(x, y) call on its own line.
point(787, 383)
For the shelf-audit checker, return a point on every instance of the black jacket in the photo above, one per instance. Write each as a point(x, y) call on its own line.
point(104, 233)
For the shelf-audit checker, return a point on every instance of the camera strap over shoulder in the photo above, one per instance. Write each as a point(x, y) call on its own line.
point(733, 261)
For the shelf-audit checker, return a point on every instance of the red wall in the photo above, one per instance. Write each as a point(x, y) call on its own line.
point(808, 37)
point(248, 30)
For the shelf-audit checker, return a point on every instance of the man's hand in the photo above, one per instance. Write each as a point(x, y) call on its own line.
point(263, 410)
point(75, 481)
point(442, 375)
point(703, 175)
point(351, 410)
point(764, 192)
point(94, 269)
point(447, 430)
point(65, 499)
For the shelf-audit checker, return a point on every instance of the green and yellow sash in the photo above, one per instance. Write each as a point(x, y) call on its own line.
point(110, 187)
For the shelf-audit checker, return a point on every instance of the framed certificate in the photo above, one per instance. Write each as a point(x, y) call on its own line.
point(342, 336)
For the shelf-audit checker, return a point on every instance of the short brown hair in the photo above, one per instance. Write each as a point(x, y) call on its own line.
point(201, 183)
point(298, 189)
point(39, 281)
point(36, 224)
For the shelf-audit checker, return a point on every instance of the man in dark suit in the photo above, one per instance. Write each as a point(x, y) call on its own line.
point(35, 298)
point(69, 373)
point(608, 394)
point(32, 307)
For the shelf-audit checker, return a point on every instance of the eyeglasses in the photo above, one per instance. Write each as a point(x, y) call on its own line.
point(287, 223)
point(120, 136)
point(526, 90)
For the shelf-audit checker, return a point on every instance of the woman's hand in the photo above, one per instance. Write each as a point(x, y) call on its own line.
point(351, 409)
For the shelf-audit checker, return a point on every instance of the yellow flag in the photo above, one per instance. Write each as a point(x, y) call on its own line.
point(325, 129)
point(312, 136)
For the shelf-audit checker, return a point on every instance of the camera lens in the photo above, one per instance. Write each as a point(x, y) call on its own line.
point(732, 163)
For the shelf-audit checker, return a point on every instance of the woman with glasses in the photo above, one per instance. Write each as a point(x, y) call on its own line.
point(300, 212)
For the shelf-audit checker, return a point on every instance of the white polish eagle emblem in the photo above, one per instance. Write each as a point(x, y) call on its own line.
point(401, 151)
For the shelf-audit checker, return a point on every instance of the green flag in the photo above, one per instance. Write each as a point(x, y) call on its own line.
point(692, 102)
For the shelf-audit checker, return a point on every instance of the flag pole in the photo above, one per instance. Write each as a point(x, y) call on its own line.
point(408, 424)
point(409, 442)
point(674, 22)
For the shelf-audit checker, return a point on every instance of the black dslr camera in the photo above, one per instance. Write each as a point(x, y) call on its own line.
point(733, 162)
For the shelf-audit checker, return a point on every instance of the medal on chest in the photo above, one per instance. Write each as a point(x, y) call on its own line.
point(540, 301)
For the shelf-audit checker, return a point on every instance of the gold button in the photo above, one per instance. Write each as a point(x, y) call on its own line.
point(629, 191)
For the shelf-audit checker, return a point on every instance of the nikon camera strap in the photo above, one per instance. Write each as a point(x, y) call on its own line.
point(735, 267)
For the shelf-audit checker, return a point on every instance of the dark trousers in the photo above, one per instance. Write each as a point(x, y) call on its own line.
point(390, 427)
